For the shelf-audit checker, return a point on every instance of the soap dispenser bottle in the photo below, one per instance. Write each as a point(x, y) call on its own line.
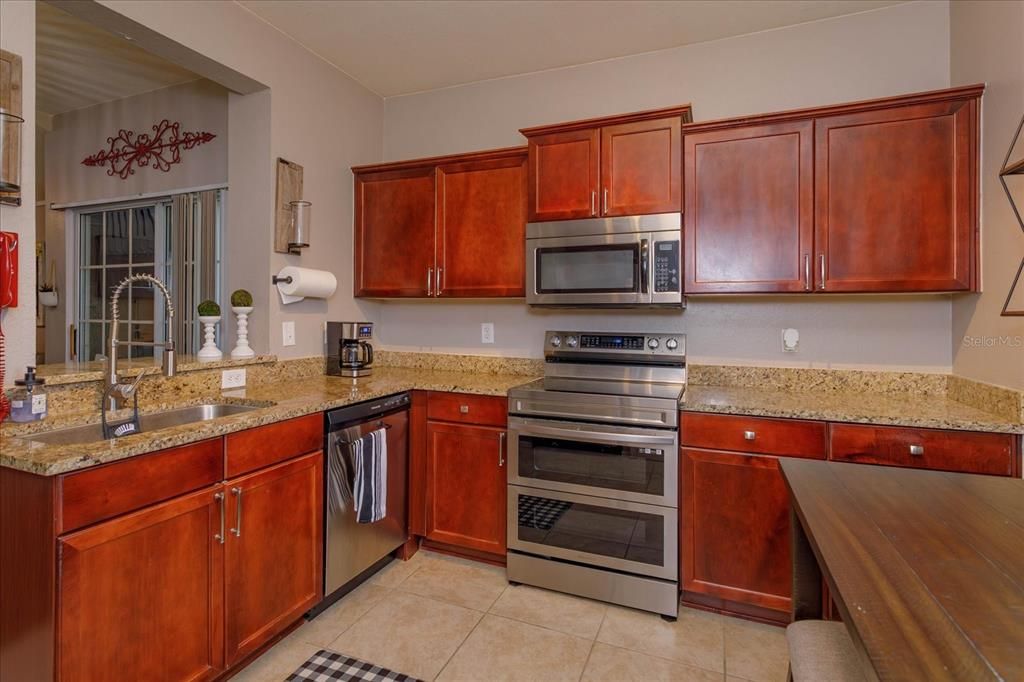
point(28, 402)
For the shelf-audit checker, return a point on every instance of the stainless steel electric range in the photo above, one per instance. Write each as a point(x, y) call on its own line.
point(593, 495)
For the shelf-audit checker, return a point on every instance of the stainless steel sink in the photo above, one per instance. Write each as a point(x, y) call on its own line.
point(93, 433)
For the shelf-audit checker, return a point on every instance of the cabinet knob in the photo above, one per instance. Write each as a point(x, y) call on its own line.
point(749, 435)
point(464, 409)
point(917, 449)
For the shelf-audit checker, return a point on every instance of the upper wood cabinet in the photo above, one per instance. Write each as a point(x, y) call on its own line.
point(614, 166)
point(877, 196)
point(451, 226)
point(896, 205)
point(749, 217)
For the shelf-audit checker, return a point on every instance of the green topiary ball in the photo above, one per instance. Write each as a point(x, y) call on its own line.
point(209, 309)
point(241, 298)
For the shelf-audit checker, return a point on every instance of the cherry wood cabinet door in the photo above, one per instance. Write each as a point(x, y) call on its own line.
point(734, 541)
point(274, 551)
point(563, 175)
point(394, 232)
point(141, 596)
point(640, 167)
point(896, 198)
point(749, 209)
point(481, 219)
point(466, 485)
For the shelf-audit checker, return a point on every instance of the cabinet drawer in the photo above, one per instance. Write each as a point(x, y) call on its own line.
point(967, 451)
point(120, 487)
point(789, 437)
point(467, 409)
point(254, 449)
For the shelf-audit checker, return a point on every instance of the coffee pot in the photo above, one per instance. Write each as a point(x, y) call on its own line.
point(349, 352)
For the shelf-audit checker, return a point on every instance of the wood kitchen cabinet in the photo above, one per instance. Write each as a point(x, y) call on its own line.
point(174, 565)
point(461, 467)
point(734, 508)
point(876, 196)
point(141, 596)
point(615, 166)
point(451, 226)
point(749, 208)
point(274, 551)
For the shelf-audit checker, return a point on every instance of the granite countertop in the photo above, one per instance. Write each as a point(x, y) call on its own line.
point(921, 411)
point(276, 401)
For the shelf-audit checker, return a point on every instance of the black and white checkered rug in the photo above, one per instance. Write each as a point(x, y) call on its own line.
point(327, 666)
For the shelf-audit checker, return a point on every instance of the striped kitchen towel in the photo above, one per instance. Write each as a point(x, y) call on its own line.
point(370, 486)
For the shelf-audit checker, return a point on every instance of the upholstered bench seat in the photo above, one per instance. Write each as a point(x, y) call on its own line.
point(822, 650)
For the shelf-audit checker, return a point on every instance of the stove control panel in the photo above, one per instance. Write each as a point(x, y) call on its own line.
point(571, 343)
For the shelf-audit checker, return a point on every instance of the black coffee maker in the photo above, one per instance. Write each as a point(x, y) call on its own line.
point(349, 353)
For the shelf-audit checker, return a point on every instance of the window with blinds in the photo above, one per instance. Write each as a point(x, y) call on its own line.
point(178, 240)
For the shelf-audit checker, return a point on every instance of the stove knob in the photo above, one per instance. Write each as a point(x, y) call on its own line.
point(671, 344)
point(556, 341)
point(571, 341)
point(653, 344)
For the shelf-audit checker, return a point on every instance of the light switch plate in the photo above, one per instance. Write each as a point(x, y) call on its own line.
point(287, 333)
point(232, 378)
point(487, 332)
point(790, 340)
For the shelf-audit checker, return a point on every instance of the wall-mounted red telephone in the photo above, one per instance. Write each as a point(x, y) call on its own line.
point(8, 299)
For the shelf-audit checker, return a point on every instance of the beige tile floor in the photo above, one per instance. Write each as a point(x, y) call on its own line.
point(441, 618)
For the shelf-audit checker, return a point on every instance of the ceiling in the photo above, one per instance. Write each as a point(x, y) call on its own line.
point(396, 47)
point(79, 65)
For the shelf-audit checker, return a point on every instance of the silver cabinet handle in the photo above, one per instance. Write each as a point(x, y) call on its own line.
point(437, 288)
point(593, 202)
point(749, 435)
point(605, 211)
point(463, 409)
point(917, 449)
point(807, 272)
point(430, 281)
point(237, 530)
point(821, 271)
point(219, 537)
point(501, 449)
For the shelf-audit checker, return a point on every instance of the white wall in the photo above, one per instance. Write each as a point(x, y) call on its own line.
point(315, 116)
point(875, 54)
point(987, 44)
point(199, 106)
point(18, 35)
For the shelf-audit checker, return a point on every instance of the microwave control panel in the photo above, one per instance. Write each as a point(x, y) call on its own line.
point(666, 266)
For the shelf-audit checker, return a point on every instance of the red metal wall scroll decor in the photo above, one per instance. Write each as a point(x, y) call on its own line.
point(161, 150)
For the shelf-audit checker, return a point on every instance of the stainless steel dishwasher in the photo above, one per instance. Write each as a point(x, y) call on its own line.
point(354, 551)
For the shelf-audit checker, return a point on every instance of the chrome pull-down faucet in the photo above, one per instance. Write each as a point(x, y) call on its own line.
point(116, 393)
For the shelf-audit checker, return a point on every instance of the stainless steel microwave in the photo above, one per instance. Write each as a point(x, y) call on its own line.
point(620, 262)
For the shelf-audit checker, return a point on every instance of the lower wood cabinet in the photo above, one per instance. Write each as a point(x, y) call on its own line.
point(273, 551)
point(735, 531)
point(141, 596)
point(466, 485)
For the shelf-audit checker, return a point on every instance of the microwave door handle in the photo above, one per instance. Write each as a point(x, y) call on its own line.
point(644, 258)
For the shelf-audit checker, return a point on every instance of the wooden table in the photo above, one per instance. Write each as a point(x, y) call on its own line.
point(926, 567)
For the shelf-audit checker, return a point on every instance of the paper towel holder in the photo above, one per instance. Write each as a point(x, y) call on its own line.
point(274, 279)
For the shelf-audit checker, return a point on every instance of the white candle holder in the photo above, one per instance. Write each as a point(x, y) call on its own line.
point(242, 348)
point(209, 352)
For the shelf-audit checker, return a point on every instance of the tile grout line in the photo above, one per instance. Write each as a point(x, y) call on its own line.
point(461, 644)
point(593, 644)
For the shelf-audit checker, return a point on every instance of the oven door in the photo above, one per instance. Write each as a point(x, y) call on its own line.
point(618, 462)
point(623, 536)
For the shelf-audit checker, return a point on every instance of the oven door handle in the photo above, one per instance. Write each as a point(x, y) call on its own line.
point(610, 437)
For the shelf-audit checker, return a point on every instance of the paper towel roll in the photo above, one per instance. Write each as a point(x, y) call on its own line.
point(306, 283)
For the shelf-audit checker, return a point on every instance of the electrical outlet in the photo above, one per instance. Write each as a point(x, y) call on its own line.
point(487, 332)
point(790, 340)
point(232, 378)
point(287, 333)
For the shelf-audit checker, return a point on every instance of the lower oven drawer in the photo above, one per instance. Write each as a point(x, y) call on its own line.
point(623, 536)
